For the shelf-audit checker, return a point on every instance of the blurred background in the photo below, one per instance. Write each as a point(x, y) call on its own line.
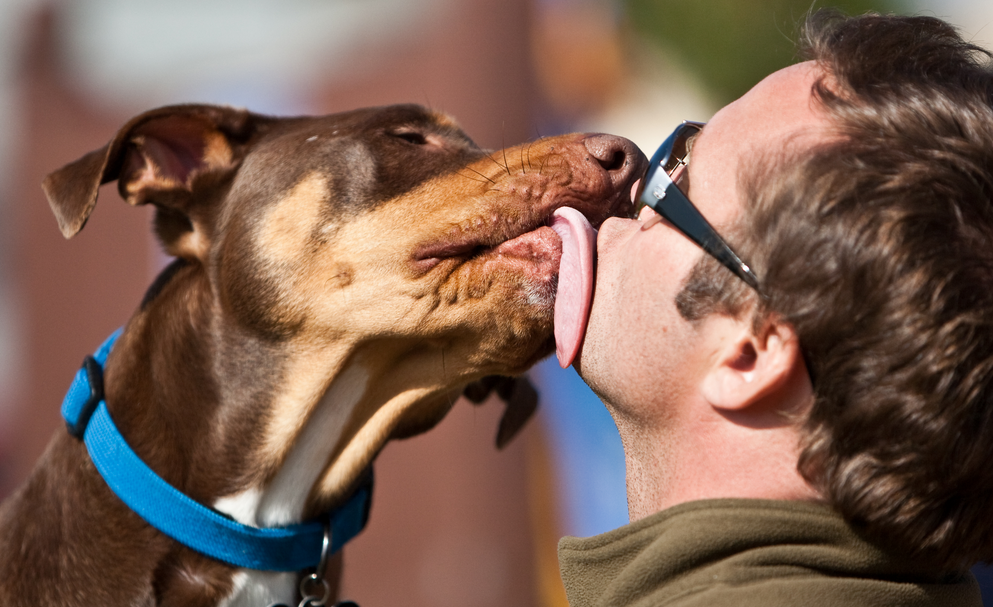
point(454, 521)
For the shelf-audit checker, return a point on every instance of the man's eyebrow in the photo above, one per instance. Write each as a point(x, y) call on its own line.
point(690, 140)
point(682, 177)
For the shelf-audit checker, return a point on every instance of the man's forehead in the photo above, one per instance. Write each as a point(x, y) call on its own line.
point(780, 108)
point(779, 113)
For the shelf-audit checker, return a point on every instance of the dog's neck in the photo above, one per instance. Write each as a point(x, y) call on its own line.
point(263, 431)
point(283, 498)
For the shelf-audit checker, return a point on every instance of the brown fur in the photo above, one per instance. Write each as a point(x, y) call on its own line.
point(310, 251)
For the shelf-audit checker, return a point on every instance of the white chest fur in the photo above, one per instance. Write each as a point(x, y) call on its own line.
point(283, 500)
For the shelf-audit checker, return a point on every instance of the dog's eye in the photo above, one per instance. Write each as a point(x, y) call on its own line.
point(411, 137)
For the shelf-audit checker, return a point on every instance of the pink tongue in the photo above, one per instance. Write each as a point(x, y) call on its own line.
point(575, 290)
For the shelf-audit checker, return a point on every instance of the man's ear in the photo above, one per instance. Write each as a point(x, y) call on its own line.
point(161, 157)
point(752, 366)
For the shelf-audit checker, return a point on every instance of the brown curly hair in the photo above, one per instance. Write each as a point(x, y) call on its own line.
point(877, 248)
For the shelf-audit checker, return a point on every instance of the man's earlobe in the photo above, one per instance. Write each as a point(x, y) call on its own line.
point(750, 367)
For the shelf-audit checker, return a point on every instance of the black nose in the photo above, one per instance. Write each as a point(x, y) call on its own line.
point(620, 157)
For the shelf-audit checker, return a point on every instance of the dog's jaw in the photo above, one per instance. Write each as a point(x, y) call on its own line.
point(504, 236)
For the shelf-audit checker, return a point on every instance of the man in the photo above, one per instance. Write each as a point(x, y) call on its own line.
point(814, 425)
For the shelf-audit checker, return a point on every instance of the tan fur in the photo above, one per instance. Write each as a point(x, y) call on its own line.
point(289, 224)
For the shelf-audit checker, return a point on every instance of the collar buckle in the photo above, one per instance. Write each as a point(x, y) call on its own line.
point(83, 397)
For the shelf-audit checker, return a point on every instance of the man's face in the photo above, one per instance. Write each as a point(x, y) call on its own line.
point(639, 353)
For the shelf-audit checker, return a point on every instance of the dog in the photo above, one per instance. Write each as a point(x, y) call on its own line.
point(338, 282)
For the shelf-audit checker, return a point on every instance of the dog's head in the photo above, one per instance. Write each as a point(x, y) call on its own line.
point(383, 237)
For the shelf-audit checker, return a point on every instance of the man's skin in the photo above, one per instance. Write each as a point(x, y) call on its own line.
point(702, 407)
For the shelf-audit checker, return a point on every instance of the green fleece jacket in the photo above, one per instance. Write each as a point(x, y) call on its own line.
point(748, 553)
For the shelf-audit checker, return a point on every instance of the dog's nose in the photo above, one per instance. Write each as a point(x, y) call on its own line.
point(618, 156)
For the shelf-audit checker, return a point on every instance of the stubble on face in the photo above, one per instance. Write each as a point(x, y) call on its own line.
point(635, 369)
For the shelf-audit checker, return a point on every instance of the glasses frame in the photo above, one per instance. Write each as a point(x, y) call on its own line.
point(659, 192)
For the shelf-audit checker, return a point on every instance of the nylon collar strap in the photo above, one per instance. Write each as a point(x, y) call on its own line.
point(289, 548)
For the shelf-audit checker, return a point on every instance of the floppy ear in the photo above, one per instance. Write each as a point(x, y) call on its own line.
point(750, 367)
point(517, 393)
point(162, 157)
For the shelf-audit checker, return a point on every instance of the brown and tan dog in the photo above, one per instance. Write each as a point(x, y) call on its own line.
point(339, 281)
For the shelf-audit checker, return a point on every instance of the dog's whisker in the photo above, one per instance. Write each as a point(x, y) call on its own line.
point(470, 177)
point(496, 162)
point(481, 174)
point(503, 144)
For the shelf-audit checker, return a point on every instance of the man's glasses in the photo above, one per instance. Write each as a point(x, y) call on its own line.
point(659, 192)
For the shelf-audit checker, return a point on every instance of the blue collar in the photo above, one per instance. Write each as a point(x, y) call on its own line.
point(190, 523)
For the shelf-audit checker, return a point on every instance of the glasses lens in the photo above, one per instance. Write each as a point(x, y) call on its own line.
point(671, 154)
point(678, 153)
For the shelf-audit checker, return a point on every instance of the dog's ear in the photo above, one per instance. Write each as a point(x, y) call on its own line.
point(161, 156)
point(517, 393)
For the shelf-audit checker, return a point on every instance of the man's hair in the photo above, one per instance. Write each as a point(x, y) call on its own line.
point(877, 247)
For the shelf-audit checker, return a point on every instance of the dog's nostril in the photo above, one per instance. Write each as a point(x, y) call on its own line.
point(611, 152)
point(615, 162)
point(620, 158)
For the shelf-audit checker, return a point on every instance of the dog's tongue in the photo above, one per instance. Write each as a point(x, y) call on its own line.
point(575, 290)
